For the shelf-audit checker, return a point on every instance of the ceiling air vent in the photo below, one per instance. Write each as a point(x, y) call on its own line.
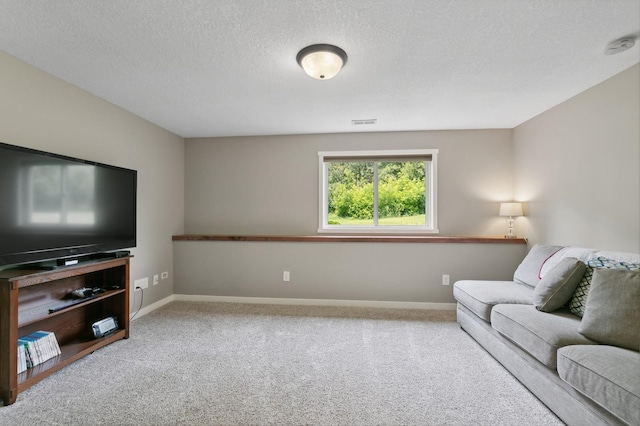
point(369, 121)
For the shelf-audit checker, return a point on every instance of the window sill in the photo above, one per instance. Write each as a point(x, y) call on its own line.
point(350, 239)
point(377, 230)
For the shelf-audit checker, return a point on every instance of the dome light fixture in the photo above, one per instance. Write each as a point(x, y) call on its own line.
point(322, 61)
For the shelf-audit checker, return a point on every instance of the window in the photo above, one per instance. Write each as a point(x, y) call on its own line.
point(378, 191)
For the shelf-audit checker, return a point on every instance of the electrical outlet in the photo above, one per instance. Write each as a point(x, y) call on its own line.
point(445, 280)
point(164, 275)
point(142, 283)
point(156, 279)
point(286, 276)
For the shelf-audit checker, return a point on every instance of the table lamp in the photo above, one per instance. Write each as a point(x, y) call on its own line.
point(510, 210)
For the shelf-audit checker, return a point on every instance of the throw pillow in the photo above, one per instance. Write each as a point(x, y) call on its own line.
point(556, 288)
point(582, 254)
point(529, 269)
point(579, 298)
point(612, 316)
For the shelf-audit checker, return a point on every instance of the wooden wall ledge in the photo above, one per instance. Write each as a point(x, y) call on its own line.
point(350, 239)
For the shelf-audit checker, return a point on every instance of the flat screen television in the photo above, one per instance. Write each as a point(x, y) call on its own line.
point(56, 207)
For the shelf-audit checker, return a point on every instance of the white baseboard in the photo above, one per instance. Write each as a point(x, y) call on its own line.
point(150, 308)
point(316, 302)
point(302, 302)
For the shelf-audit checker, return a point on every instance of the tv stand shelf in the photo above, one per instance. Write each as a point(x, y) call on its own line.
point(26, 295)
point(28, 315)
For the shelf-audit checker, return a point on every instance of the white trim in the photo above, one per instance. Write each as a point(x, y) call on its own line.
point(316, 302)
point(407, 229)
point(150, 308)
point(380, 153)
point(433, 181)
point(376, 194)
point(300, 302)
point(323, 190)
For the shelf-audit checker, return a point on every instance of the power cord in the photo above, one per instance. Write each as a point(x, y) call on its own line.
point(134, 299)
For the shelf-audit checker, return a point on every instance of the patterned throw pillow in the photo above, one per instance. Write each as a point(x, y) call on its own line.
point(579, 300)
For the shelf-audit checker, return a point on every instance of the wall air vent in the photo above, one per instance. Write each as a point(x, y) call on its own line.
point(369, 121)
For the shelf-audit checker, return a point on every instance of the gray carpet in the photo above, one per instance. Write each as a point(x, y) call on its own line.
point(232, 364)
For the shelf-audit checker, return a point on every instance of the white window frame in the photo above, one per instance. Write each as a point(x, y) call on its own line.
point(431, 199)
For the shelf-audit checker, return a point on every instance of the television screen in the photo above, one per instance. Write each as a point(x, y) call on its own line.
point(52, 206)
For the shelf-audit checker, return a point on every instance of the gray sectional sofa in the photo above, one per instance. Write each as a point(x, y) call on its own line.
point(567, 327)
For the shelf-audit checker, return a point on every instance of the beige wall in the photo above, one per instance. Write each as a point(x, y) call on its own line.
point(578, 168)
point(269, 185)
point(387, 272)
point(42, 112)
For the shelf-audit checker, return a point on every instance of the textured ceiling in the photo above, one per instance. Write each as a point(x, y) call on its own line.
point(226, 68)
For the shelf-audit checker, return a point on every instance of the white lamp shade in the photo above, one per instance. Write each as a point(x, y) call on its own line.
point(510, 209)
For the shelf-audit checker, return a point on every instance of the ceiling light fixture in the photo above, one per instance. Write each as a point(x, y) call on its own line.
point(322, 61)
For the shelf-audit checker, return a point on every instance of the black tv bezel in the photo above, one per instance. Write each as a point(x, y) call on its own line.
point(78, 251)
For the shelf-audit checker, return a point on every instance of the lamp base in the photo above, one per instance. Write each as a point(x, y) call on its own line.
point(510, 233)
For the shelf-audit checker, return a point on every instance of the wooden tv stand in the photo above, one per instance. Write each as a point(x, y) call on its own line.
point(26, 295)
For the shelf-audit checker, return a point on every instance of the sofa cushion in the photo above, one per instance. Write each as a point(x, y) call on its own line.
point(528, 272)
point(608, 375)
point(612, 314)
point(481, 296)
point(556, 288)
point(540, 334)
point(579, 299)
point(619, 256)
